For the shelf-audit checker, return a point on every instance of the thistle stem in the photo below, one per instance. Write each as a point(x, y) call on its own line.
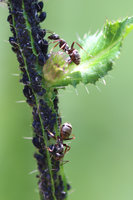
point(31, 49)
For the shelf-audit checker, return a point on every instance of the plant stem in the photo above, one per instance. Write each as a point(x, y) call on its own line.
point(31, 49)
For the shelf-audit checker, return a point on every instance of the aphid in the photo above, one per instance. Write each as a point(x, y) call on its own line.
point(13, 42)
point(9, 19)
point(42, 33)
point(37, 141)
point(39, 6)
point(59, 149)
point(42, 16)
point(41, 59)
point(72, 52)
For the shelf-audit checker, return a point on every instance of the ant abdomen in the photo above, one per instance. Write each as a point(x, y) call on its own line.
point(75, 57)
point(66, 130)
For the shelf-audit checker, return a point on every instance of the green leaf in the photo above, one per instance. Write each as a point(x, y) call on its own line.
point(100, 52)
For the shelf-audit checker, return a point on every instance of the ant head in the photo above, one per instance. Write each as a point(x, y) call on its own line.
point(66, 130)
point(54, 37)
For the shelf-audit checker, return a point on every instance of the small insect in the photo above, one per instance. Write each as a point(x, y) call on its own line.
point(59, 149)
point(39, 6)
point(72, 52)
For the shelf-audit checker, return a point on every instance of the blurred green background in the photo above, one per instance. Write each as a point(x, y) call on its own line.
point(101, 157)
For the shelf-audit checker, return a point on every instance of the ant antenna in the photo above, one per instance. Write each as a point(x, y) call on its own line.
point(81, 48)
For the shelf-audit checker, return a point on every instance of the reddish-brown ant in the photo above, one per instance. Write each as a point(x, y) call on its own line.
point(73, 53)
point(59, 149)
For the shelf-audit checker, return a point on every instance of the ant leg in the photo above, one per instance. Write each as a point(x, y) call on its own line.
point(52, 135)
point(58, 43)
point(63, 46)
point(50, 150)
point(54, 41)
point(80, 47)
point(55, 45)
point(49, 31)
point(60, 160)
point(64, 162)
point(67, 148)
point(70, 138)
point(69, 60)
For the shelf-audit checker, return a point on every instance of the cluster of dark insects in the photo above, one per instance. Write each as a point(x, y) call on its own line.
point(73, 53)
point(59, 149)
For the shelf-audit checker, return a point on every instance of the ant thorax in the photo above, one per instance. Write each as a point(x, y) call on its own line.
point(59, 147)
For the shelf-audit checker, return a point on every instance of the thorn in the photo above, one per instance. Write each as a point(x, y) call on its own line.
point(97, 32)
point(98, 88)
point(76, 91)
point(22, 101)
point(6, 41)
point(15, 74)
point(28, 138)
point(103, 80)
point(32, 172)
point(110, 76)
point(78, 37)
point(71, 192)
point(85, 36)
point(87, 90)
point(37, 190)
point(62, 116)
point(60, 87)
point(68, 142)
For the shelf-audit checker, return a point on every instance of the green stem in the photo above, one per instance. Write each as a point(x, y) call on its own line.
point(52, 181)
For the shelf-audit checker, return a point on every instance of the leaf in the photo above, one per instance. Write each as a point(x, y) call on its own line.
point(97, 58)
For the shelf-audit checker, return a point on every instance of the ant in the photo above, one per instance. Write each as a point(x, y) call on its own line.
point(59, 149)
point(73, 53)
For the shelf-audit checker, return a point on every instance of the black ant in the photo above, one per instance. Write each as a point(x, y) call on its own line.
point(73, 53)
point(59, 149)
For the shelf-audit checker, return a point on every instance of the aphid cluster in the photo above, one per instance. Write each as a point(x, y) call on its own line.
point(22, 46)
point(43, 117)
point(22, 40)
point(71, 51)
